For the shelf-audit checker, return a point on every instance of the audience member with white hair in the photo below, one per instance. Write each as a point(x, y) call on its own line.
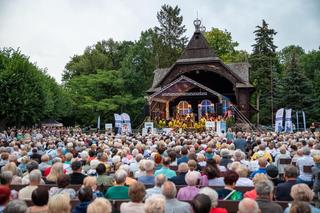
point(190, 191)
point(155, 204)
point(169, 190)
point(99, 205)
point(183, 169)
point(148, 179)
point(119, 190)
point(34, 181)
point(213, 195)
point(159, 180)
point(16, 206)
point(248, 205)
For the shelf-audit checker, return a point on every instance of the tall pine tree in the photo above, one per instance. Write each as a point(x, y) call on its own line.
point(170, 33)
point(263, 72)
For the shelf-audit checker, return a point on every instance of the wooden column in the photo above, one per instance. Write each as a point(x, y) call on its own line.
point(167, 110)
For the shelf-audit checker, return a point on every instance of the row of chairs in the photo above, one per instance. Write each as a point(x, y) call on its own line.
point(231, 206)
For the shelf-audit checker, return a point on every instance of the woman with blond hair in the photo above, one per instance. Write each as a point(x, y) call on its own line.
point(11, 167)
point(55, 172)
point(59, 203)
point(91, 182)
point(99, 205)
point(302, 192)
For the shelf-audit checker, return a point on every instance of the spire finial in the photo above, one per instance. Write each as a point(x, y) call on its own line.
point(197, 24)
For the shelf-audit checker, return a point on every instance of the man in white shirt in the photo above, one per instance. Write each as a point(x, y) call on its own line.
point(34, 178)
point(306, 160)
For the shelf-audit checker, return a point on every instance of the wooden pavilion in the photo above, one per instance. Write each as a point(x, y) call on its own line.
point(199, 82)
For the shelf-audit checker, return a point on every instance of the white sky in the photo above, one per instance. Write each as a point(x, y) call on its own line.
point(51, 31)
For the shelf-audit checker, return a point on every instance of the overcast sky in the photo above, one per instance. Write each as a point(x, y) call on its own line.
point(51, 31)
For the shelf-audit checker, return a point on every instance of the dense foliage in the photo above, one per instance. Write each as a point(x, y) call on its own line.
point(113, 76)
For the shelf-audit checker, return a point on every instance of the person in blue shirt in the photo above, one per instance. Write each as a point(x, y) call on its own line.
point(262, 168)
point(165, 170)
point(184, 158)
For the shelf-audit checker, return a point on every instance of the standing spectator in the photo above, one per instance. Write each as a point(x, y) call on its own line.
point(240, 143)
point(201, 204)
point(62, 187)
point(76, 176)
point(99, 205)
point(180, 178)
point(165, 169)
point(137, 192)
point(264, 191)
point(189, 192)
point(302, 192)
point(59, 203)
point(34, 181)
point(213, 195)
point(4, 197)
point(160, 179)
point(248, 205)
point(306, 160)
point(85, 197)
point(169, 190)
point(40, 199)
point(148, 179)
point(119, 190)
point(283, 189)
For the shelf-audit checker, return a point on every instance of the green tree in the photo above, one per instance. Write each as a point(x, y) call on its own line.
point(170, 39)
point(264, 71)
point(311, 63)
point(224, 46)
point(105, 55)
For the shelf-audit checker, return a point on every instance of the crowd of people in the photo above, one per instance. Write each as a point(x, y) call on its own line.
point(167, 172)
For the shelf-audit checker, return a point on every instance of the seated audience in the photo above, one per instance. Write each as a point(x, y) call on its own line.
point(40, 199)
point(300, 207)
point(99, 205)
point(55, 172)
point(102, 178)
point(213, 195)
point(31, 165)
point(160, 179)
point(180, 178)
point(85, 197)
point(155, 204)
point(316, 176)
point(264, 191)
point(16, 206)
point(59, 203)
point(243, 177)
point(62, 187)
point(169, 190)
point(11, 167)
point(189, 192)
point(302, 192)
point(91, 182)
point(252, 193)
point(76, 176)
point(44, 163)
point(34, 180)
point(283, 189)
point(6, 180)
point(272, 174)
point(248, 205)
point(201, 204)
point(169, 173)
point(262, 167)
point(136, 193)
point(129, 180)
point(229, 192)
point(4, 197)
point(306, 160)
point(148, 179)
point(119, 190)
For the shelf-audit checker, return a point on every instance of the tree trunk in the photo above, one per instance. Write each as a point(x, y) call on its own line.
point(258, 108)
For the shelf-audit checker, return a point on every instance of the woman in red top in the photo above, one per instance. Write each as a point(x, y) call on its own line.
point(213, 195)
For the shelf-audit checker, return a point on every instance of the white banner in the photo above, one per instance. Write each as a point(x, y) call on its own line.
point(279, 120)
point(117, 120)
point(288, 123)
